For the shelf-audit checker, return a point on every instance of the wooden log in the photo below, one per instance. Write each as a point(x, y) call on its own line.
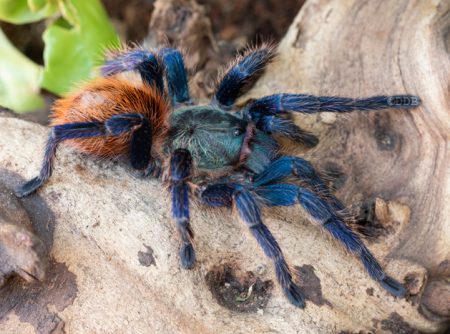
point(115, 266)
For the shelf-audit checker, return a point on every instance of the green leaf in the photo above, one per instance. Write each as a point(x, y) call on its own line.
point(66, 61)
point(69, 12)
point(26, 11)
point(19, 79)
point(74, 46)
point(36, 5)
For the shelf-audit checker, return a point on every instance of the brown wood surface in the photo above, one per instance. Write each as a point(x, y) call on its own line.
point(114, 262)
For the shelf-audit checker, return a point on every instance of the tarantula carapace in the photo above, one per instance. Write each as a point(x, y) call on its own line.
point(217, 153)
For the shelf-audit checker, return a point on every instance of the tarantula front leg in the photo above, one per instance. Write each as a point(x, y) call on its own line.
point(241, 75)
point(180, 169)
point(282, 103)
point(140, 145)
point(176, 75)
point(321, 212)
point(249, 213)
point(287, 128)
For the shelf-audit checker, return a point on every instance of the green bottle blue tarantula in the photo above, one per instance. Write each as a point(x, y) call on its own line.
point(222, 155)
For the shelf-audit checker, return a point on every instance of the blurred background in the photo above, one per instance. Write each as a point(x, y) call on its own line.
point(48, 46)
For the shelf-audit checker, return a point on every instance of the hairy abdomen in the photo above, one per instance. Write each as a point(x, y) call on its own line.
point(103, 98)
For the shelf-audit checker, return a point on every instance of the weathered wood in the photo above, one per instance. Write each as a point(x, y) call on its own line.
point(362, 48)
point(114, 248)
point(21, 252)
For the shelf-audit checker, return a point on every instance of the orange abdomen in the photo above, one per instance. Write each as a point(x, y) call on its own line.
point(103, 98)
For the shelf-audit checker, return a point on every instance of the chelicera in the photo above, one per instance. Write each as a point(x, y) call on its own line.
point(217, 153)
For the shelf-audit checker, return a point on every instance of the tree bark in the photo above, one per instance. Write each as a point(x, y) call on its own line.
point(115, 266)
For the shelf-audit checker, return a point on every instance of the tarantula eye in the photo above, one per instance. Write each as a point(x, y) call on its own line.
point(238, 131)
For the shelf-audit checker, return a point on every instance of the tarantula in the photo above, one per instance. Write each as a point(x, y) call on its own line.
point(222, 155)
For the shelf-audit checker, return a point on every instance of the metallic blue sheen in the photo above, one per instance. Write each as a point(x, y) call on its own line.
point(240, 77)
point(176, 75)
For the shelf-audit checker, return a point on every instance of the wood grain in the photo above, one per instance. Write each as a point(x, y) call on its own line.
point(104, 220)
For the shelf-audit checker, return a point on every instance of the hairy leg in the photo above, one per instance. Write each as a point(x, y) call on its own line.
point(180, 168)
point(141, 138)
point(250, 215)
point(152, 67)
point(145, 63)
point(285, 127)
point(320, 211)
point(282, 103)
point(241, 75)
point(58, 134)
point(266, 111)
point(140, 146)
point(176, 75)
point(287, 166)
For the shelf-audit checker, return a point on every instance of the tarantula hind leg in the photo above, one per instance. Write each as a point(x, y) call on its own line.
point(140, 146)
point(249, 213)
point(146, 63)
point(320, 211)
point(287, 166)
point(180, 168)
point(58, 134)
point(141, 136)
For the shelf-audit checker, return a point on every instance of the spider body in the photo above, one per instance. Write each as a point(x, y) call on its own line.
point(222, 156)
point(102, 99)
point(218, 140)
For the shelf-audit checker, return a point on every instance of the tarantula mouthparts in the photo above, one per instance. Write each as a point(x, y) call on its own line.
point(217, 153)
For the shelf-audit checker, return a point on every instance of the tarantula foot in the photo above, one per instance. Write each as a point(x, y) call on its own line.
point(404, 101)
point(393, 287)
point(295, 295)
point(28, 187)
point(187, 256)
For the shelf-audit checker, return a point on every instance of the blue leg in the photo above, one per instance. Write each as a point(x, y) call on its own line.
point(59, 133)
point(287, 128)
point(176, 75)
point(140, 146)
point(242, 75)
point(141, 136)
point(287, 166)
point(144, 62)
point(282, 103)
point(180, 168)
point(320, 211)
point(249, 213)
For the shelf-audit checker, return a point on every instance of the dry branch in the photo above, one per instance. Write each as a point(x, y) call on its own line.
point(115, 266)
